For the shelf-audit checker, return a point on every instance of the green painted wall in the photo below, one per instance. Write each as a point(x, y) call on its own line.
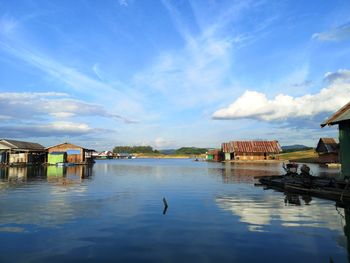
point(55, 158)
point(344, 141)
point(210, 157)
point(227, 156)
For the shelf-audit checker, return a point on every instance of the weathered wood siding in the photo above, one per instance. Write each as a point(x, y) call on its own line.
point(328, 158)
point(71, 158)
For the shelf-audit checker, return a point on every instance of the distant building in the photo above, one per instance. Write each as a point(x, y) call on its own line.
point(20, 152)
point(104, 155)
point(215, 155)
point(342, 118)
point(69, 153)
point(328, 149)
point(251, 150)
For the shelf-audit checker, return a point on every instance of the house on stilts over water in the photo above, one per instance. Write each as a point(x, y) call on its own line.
point(69, 153)
point(328, 150)
point(13, 152)
point(342, 118)
point(251, 150)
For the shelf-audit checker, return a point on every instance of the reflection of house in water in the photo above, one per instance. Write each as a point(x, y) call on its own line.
point(72, 173)
point(250, 150)
point(16, 174)
point(245, 171)
point(19, 152)
point(69, 153)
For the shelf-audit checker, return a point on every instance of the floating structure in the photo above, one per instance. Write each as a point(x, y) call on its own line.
point(215, 155)
point(103, 155)
point(336, 189)
point(342, 118)
point(13, 152)
point(328, 149)
point(69, 153)
point(125, 156)
point(251, 150)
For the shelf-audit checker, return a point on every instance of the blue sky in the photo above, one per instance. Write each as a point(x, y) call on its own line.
point(172, 73)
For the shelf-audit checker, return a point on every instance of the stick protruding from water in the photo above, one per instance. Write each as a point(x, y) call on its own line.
point(165, 206)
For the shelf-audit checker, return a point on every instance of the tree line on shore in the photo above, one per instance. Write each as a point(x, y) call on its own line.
point(150, 150)
point(188, 150)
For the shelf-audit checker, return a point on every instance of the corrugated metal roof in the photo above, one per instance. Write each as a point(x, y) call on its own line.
point(341, 115)
point(71, 145)
point(23, 145)
point(329, 145)
point(252, 146)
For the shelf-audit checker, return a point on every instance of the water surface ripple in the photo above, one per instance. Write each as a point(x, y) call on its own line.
point(113, 212)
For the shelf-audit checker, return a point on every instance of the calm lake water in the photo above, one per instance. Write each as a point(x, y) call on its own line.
point(114, 212)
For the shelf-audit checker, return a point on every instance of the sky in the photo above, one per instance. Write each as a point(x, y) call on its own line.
point(172, 73)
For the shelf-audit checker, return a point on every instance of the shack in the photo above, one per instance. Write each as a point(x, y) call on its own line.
point(69, 153)
point(251, 150)
point(327, 149)
point(342, 118)
point(215, 155)
point(20, 152)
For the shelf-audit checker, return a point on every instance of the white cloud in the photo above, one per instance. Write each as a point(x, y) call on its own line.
point(342, 75)
point(123, 2)
point(59, 128)
point(21, 105)
point(161, 143)
point(190, 76)
point(256, 105)
point(336, 34)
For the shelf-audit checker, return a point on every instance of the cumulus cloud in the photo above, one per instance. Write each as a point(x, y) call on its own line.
point(336, 34)
point(256, 105)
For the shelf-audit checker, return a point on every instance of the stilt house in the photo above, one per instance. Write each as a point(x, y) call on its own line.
point(20, 152)
point(327, 149)
point(342, 118)
point(251, 150)
point(69, 153)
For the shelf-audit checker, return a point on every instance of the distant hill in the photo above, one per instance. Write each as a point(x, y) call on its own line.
point(167, 151)
point(191, 150)
point(295, 147)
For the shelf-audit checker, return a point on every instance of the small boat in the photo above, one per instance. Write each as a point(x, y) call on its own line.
point(323, 187)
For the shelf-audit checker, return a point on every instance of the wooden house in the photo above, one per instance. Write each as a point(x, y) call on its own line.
point(69, 153)
point(215, 155)
point(20, 152)
point(342, 118)
point(327, 149)
point(251, 150)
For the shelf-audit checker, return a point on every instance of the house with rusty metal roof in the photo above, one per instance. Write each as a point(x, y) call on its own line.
point(342, 118)
point(21, 152)
point(251, 150)
point(328, 149)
